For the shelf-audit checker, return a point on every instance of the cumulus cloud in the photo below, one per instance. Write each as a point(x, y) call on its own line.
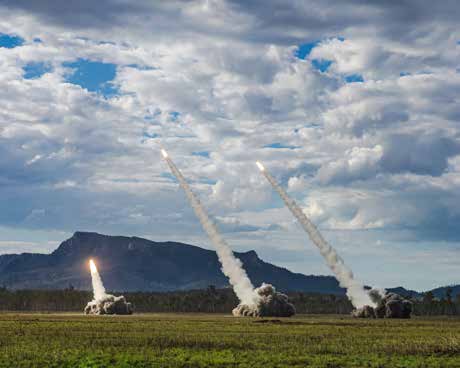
point(221, 86)
point(360, 163)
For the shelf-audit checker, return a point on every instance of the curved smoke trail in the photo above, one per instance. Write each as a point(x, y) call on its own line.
point(98, 286)
point(355, 290)
point(231, 266)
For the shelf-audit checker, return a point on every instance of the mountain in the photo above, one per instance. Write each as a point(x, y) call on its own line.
point(136, 264)
point(406, 292)
point(441, 292)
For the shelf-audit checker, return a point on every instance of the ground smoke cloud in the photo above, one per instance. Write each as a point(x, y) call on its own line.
point(110, 304)
point(231, 266)
point(270, 304)
point(388, 305)
point(104, 303)
point(355, 291)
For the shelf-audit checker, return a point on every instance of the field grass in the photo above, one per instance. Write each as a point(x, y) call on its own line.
point(193, 340)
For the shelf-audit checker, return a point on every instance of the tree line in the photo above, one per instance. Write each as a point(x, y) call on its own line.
point(210, 300)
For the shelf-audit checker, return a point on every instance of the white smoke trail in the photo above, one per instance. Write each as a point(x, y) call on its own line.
point(98, 286)
point(231, 266)
point(355, 290)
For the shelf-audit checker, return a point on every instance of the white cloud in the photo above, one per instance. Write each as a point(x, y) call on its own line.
point(359, 163)
point(297, 183)
point(222, 79)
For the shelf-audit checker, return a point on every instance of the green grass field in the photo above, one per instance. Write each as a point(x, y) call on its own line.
point(190, 340)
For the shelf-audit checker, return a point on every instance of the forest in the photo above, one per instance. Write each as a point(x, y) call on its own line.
point(210, 300)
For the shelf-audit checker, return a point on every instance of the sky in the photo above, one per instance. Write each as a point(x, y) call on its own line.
point(353, 106)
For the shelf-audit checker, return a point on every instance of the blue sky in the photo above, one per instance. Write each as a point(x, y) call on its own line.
point(10, 41)
point(94, 76)
point(353, 109)
point(34, 70)
point(304, 49)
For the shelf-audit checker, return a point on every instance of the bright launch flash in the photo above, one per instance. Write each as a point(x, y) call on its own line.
point(260, 166)
point(164, 153)
point(92, 266)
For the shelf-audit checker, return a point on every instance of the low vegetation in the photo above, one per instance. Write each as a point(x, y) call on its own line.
point(214, 340)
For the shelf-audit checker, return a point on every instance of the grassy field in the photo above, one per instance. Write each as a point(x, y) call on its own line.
point(190, 340)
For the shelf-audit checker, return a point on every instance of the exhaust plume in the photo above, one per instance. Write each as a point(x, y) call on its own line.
point(98, 286)
point(271, 304)
point(231, 266)
point(355, 290)
point(104, 303)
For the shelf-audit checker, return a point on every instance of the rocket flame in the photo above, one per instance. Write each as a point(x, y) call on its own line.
point(164, 153)
point(260, 166)
point(98, 286)
point(92, 266)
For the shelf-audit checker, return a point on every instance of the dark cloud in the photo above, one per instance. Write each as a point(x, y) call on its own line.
point(398, 20)
point(424, 154)
point(417, 153)
point(80, 14)
point(275, 21)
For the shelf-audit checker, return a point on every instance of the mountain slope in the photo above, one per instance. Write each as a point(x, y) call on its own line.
point(136, 264)
point(441, 292)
